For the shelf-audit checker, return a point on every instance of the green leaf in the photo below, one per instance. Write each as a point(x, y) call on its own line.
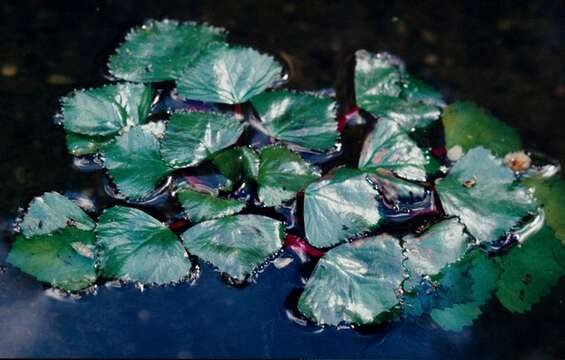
point(551, 194)
point(340, 207)
point(199, 206)
point(53, 211)
point(193, 137)
point(228, 75)
point(456, 317)
point(468, 126)
point(238, 163)
point(416, 90)
point(235, 244)
point(158, 49)
point(137, 247)
point(409, 115)
point(65, 259)
point(79, 145)
point(355, 283)
point(530, 271)
point(107, 110)
point(376, 75)
point(440, 245)
point(482, 192)
point(282, 174)
point(300, 118)
point(389, 147)
point(134, 163)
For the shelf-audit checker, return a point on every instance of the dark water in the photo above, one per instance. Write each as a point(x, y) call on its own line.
point(507, 57)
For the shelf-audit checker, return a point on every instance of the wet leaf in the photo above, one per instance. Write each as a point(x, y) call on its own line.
point(134, 163)
point(107, 110)
point(158, 49)
point(79, 145)
point(482, 192)
point(389, 147)
point(65, 259)
point(53, 211)
point(354, 283)
point(193, 137)
point(468, 126)
point(134, 246)
point(235, 244)
point(340, 207)
point(530, 271)
point(199, 206)
point(415, 90)
point(282, 173)
point(550, 193)
point(440, 245)
point(300, 118)
point(241, 163)
point(228, 75)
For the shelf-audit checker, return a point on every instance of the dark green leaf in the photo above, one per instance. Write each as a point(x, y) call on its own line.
point(482, 192)
point(52, 211)
point(158, 49)
point(134, 162)
point(282, 174)
point(235, 244)
point(193, 137)
point(200, 206)
point(300, 118)
point(65, 259)
point(340, 207)
point(391, 148)
point(468, 126)
point(238, 163)
point(551, 194)
point(136, 247)
point(409, 115)
point(228, 75)
point(106, 110)
point(354, 283)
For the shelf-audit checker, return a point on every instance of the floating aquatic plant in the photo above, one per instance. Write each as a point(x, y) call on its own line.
point(396, 229)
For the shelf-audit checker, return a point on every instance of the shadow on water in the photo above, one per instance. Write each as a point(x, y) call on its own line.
point(506, 57)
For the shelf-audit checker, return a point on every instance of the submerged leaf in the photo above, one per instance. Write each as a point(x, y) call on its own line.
point(530, 271)
point(282, 173)
point(228, 75)
point(300, 118)
point(107, 110)
point(235, 244)
point(455, 318)
point(193, 137)
point(134, 162)
point(158, 49)
point(354, 283)
point(482, 192)
point(340, 207)
point(134, 246)
point(389, 147)
point(200, 206)
point(53, 211)
point(468, 126)
point(64, 259)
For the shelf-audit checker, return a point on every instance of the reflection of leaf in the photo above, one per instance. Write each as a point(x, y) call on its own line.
point(106, 110)
point(199, 206)
point(469, 126)
point(282, 174)
point(482, 192)
point(442, 244)
point(389, 147)
point(136, 247)
point(52, 211)
point(228, 75)
point(134, 162)
point(193, 137)
point(530, 271)
point(156, 50)
point(235, 244)
point(64, 259)
point(551, 194)
point(340, 207)
point(303, 119)
point(354, 283)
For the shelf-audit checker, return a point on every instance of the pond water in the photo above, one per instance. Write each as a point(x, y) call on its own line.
point(507, 58)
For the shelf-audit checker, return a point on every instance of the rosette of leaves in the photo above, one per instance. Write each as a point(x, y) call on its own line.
point(384, 89)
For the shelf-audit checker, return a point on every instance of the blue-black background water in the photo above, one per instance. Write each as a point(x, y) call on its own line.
point(508, 57)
